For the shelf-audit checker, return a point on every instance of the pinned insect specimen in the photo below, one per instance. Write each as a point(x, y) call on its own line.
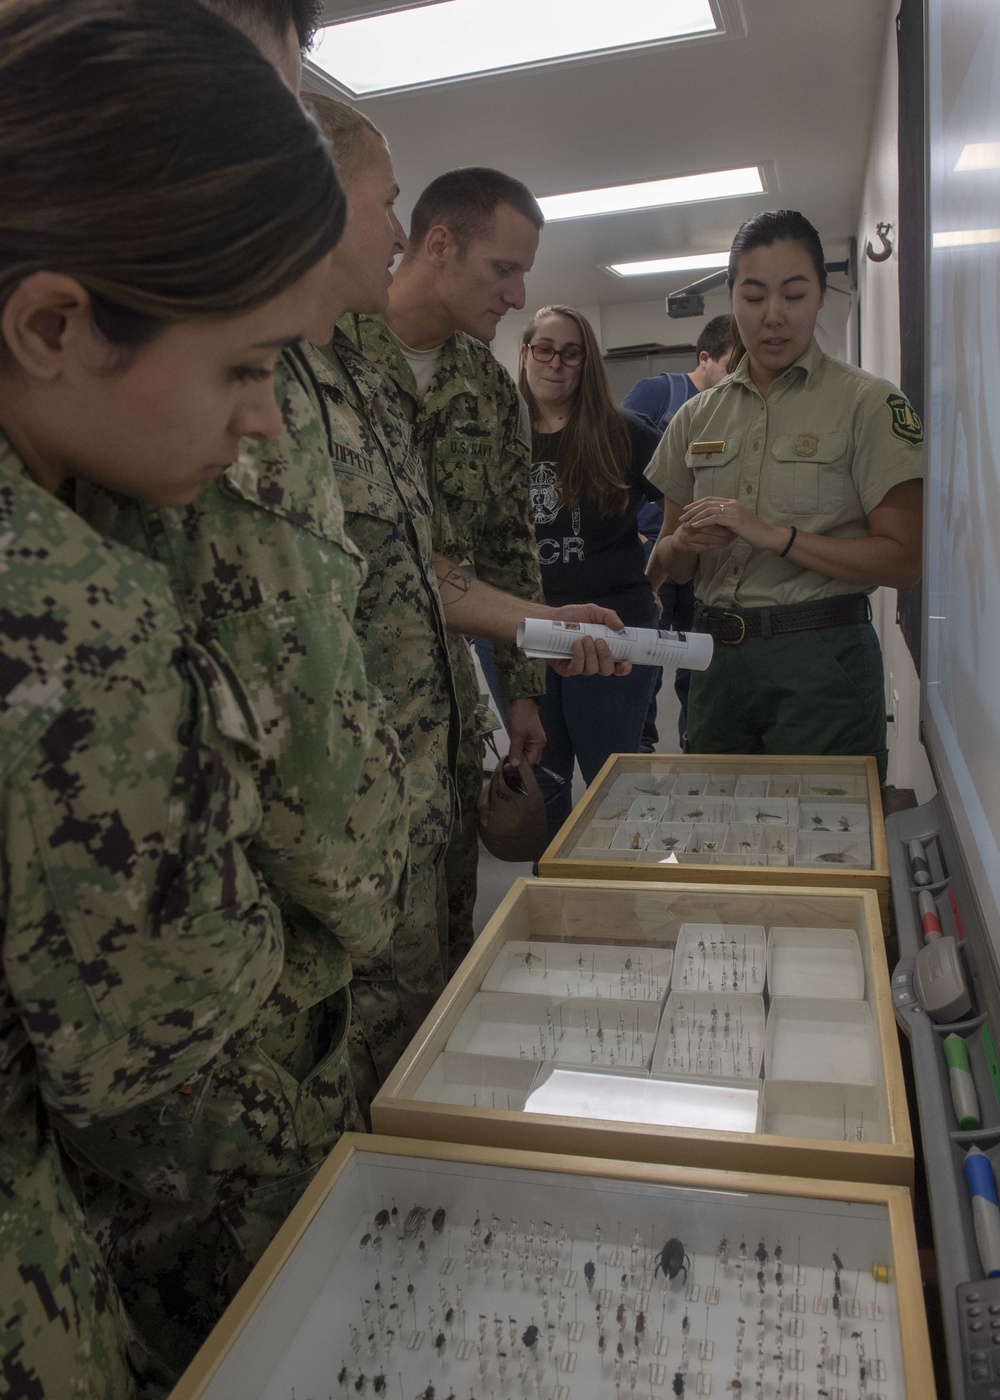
point(832, 857)
point(818, 823)
point(415, 1221)
point(831, 791)
point(672, 1259)
point(844, 824)
point(437, 1220)
point(695, 815)
point(588, 1273)
point(763, 816)
point(635, 841)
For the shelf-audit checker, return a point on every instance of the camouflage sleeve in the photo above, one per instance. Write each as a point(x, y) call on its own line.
point(136, 937)
point(263, 565)
point(334, 838)
point(507, 557)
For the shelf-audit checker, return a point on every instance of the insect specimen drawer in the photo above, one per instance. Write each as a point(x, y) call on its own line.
point(748, 1027)
point(427, 1271)
point(715, 818)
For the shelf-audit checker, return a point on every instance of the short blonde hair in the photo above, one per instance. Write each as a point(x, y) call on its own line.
point(347, 131)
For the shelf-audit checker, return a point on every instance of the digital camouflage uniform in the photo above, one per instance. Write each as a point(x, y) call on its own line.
point(136, 939)
point(471, 430)
point(262, 565)
point(400, 625)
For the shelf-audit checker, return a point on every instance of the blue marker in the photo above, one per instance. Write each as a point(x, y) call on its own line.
point(985, 1210)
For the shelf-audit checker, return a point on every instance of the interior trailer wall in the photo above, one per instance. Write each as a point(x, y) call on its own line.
point(880, 353)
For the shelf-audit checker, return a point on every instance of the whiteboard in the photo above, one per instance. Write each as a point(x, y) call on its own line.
point(961, 697)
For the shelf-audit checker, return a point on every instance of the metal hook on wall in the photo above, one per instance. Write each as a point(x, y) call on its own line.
point(881, 231)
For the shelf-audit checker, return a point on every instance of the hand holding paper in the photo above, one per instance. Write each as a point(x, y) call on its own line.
point(643, 646)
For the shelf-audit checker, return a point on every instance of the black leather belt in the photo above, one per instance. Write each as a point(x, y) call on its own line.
point(730, 628)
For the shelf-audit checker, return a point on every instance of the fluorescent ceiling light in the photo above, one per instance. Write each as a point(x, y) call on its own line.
point(454, 39)
point(685, 264)
point(682, 189)
point(966, 237)
point(980, 155)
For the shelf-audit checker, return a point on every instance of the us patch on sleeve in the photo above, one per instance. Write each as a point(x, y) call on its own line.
point(906, 422)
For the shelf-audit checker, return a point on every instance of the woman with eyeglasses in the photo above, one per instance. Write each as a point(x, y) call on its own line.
point(587, 483)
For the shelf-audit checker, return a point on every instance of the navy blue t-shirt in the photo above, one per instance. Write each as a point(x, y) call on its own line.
point(587, 557)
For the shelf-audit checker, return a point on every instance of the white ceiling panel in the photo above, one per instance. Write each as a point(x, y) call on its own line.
point(794, 93)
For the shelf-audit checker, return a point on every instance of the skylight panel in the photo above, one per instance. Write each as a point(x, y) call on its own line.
point(980, 155)
point(966, 237)
point(688, 263)
point(653, 194)
point(456, 39)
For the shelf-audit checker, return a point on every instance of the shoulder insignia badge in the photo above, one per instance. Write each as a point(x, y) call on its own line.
point(906, 423)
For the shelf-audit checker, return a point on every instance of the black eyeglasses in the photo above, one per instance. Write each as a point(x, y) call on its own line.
point(570, 357)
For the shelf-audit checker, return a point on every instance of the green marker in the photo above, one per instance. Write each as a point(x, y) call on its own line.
point(963, 1086)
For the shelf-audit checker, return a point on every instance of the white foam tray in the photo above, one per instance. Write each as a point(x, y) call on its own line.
point(841, 1112)
point(642, 785)
point(598, 838)
point(766, 811)
point(633, 836)
point(705, 811)
point(833, 785)
point(832, 851)
point(832, 816)
point(672, 1103)
point(829, 1042)
point(648, 809)
point(751, 785)
point(815, 962)
point(477, 1081)
point(577, 1030)
point(618, 971)
point(721, 785)
point(784, 785)
point(671, 836)
point(686, 1048)
point(613, 810)
point(695, 966)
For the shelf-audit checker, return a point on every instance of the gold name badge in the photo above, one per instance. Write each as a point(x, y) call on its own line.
point(706, 449)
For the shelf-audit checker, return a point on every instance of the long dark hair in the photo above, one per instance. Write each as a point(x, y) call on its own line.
point(777, 226)
point(595, 449)
point(149, 151)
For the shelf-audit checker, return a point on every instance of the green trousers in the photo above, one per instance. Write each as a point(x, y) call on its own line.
point(393, 992)
point(812, 692)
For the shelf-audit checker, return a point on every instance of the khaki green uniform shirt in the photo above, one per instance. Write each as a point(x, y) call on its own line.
point(819, 452)
point(399, 618)
point(136, 939)
point(471, 431)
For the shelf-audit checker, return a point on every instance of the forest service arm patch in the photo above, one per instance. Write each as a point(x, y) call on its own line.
point(906, 422)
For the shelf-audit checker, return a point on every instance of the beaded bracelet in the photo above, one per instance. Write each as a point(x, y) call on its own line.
point(791, 541)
